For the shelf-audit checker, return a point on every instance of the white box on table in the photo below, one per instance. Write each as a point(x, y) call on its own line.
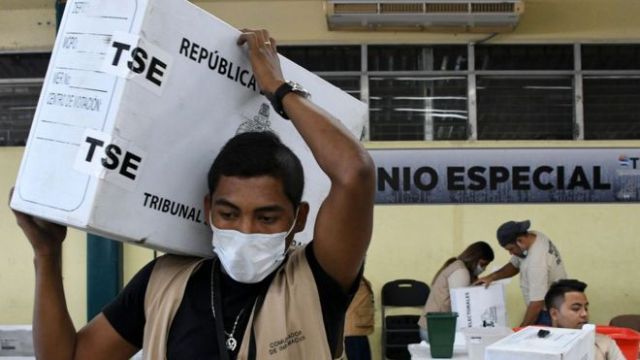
point(559, 344)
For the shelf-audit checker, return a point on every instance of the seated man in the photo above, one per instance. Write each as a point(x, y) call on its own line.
point(569, 308)
point(254, 299)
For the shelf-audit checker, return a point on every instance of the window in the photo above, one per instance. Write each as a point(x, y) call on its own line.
point(23, 65)
point(18, 102)
point(20, 85)
point(611, 89)
point(431, 92)
point(417, 58)
point(611, 57)
point(522, 105)
point(418, 105)
point(524, 57)
point(611, 107)
point(522, 92)
point(525, 108)
point(324, 58)
point(418, 108)
point(349, 84)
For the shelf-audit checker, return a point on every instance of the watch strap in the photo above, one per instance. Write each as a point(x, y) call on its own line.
point(278, 95)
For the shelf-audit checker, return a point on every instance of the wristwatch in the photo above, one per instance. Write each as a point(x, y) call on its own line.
point(281, 91)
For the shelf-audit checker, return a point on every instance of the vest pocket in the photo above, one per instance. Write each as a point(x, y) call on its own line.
point(364, 317)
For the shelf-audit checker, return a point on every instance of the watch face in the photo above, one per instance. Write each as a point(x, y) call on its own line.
point(297, 88)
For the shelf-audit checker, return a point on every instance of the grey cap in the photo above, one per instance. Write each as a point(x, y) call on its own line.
point(509, 231)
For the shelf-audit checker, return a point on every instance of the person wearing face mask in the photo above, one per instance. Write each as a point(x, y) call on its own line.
point(257, 297)
point(569, 308)
point(456, 272)
point(538, 262)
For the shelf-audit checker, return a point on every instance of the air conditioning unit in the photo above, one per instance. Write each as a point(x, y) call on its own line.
point(424, 15)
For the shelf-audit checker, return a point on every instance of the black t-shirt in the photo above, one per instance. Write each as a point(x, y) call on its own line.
point(192, 334)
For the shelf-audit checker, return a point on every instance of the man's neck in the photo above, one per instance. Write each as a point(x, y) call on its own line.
point(530, 239)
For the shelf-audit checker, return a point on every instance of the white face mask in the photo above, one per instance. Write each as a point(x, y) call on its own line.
point(249, 258)
point(478, 270)
point(523, 252)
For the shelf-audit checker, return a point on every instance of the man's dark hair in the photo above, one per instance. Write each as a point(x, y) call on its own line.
point(254, 154)
point(555, 295)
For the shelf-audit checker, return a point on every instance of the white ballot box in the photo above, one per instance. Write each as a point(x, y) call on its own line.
point(478, 306)
point(139, 97)
point(558, 344)
point(16, 342)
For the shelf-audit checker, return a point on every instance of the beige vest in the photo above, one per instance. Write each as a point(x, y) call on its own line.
point(288, 326)
point(361, 313)
point(439, 299)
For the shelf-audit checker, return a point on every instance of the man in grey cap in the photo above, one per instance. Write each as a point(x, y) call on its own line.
point(537, 260)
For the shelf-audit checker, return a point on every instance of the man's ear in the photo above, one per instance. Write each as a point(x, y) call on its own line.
point(554, 313)
point(301, 221)
point(207, 208)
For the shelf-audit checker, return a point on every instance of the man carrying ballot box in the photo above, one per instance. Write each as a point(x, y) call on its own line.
point(255, 299)
point(538, 261)
point(569, 308)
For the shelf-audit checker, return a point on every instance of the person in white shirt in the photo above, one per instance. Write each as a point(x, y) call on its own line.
point(537, 260)
point(569, 308)
point(456, 272)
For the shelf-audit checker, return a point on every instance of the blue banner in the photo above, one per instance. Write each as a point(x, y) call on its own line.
point(507, 175)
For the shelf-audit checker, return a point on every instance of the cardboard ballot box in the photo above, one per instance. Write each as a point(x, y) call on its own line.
point(478, 306)
point(139, 97)
point(558, 344)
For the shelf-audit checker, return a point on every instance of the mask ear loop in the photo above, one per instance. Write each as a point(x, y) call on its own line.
point(295, 221)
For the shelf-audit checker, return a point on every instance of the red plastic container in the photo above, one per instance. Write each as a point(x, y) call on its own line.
point(628, 340)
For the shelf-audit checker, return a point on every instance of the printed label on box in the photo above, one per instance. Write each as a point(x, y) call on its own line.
point(109, 158)
point(478, 306)
point(131, 57)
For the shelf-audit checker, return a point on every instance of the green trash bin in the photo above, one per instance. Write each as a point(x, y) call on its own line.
point(441, 327)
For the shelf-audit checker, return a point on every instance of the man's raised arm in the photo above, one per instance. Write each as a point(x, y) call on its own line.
point(54, 335)
point(345, 219)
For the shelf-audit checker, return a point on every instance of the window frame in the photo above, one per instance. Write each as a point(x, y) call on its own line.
point(578, 74)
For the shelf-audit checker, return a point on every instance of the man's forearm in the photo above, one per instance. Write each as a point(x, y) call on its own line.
point(504, 272)
point(344, 222)
point(53, 331)
point(345, 219)
point(532, 313)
